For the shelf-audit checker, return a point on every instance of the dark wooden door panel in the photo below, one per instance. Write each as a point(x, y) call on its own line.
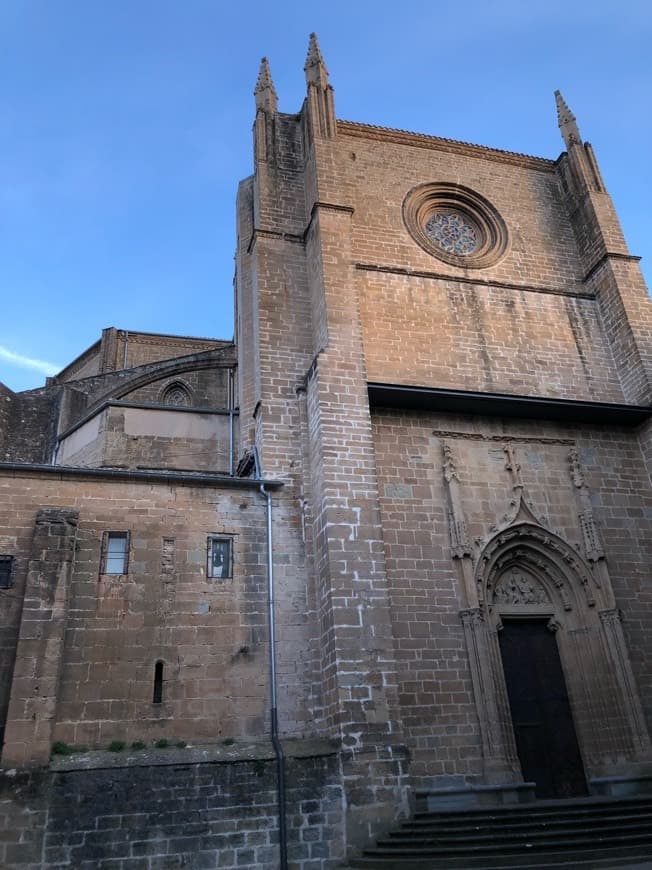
point(543, 723)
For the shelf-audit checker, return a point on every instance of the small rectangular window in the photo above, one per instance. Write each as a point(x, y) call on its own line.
point(115, 553)
point(6, 572)
point(219, 557)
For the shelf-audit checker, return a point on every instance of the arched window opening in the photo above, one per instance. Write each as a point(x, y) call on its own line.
point(177, 394)
point(158, 683)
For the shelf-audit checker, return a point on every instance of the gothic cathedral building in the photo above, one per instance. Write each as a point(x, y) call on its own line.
point(391, 545)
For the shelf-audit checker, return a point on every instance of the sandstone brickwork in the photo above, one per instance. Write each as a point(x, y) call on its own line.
point(209, 633)
point(170, 809)
point(445, 431)
point(335, 293)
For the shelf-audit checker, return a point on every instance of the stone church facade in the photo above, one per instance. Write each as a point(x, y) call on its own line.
point(429, 444)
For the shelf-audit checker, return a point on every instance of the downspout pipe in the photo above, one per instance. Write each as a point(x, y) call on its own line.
point(231, 408)
point(276, 743)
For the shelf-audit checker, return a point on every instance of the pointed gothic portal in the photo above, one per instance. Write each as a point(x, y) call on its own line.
point(528, 577)
point(544, 730)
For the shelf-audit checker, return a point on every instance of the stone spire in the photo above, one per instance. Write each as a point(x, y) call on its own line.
point(315, 68)
point(265, 92)
point(320, 102)
point(567, 122)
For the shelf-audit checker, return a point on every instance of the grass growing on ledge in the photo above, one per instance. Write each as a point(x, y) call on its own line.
point(117, 745)
point(62, 748)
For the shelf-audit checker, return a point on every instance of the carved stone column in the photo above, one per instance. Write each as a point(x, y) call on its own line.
point(500, 763)
point(632, 737)
point(593, 548)
point(630, 706)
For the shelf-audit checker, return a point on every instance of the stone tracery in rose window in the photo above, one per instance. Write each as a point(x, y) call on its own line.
point(452, 232)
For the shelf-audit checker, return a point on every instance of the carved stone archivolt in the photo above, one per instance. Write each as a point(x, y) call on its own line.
point(545, 555)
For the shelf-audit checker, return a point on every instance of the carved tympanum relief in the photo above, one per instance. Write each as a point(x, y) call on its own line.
point(516, 588)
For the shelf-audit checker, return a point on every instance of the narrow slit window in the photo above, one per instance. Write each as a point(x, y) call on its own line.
point(6, 572)
point(220, 563)
point(115, 553)
point(158, 683)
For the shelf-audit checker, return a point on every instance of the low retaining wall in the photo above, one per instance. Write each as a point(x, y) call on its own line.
point(174, 808)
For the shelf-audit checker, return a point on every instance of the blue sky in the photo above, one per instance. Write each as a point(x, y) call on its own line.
point(126, 125)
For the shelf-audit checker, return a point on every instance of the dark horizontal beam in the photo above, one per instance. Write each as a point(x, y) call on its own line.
point(505, 405)
point(188, 478)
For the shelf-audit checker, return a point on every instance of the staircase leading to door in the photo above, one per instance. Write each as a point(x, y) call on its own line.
point(584, 833)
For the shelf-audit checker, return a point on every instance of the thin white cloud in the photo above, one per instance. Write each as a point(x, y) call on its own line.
point(26, 362)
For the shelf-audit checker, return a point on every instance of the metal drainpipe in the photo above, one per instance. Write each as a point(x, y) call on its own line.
point(278, 749)
point(231, 404)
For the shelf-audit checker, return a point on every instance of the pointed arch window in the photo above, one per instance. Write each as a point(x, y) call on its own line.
point(177, 394)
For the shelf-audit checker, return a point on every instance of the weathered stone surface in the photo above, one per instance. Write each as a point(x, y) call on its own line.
point(171, 813)
point(393, 528)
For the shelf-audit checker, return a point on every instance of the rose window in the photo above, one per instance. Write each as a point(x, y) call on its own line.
point(455, 224)
point(452, 232)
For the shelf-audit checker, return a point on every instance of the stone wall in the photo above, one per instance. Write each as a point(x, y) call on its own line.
point(376, 169)
point(205, 373)
point(30, 421)
point(168, 809)
point(119, 349)
point(211, 634)
point(156, 438)
point(143, 347)
point(427, 595)
point(455, 335)
point(32, 426)
point(207, 388)
point(304, 386)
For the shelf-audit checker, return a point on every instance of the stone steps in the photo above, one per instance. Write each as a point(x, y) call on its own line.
point(592, 832)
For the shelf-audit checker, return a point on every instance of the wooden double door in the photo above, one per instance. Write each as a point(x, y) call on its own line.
point(546, 740)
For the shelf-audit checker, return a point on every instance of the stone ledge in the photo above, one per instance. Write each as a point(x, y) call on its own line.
point(236, 753)
point(472, 796)
point(621, 786)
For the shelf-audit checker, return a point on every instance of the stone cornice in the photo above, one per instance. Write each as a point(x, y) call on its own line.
point(437, 143)
point(465, 279)
point(297, 238)
point(615, 255)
